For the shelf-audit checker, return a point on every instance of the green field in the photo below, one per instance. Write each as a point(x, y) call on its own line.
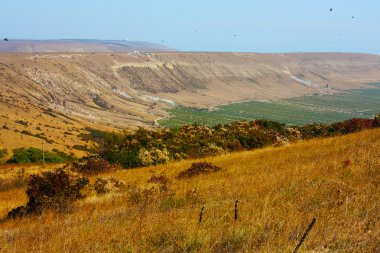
point(358, 103)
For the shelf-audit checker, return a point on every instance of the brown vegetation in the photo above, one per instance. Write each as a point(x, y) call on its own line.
point(54, 190)
point(13, 182)
point(198, 169)
point(92, 165)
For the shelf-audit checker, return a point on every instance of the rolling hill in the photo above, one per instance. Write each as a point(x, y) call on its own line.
point(62, 95)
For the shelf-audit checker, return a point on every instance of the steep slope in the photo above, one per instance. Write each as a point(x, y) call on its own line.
point(118, 91)
point(280, 190)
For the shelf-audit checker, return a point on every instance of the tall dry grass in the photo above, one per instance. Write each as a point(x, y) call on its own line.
point(280, 190)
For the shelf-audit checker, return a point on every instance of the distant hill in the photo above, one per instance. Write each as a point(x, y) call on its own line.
point(78, 46)
point(57, 96)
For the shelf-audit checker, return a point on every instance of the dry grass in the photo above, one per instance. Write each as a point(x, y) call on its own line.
point(38, 123)
point(281, 189)
point(9, 170)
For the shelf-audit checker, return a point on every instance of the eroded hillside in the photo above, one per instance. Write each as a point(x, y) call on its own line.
point(61, 94)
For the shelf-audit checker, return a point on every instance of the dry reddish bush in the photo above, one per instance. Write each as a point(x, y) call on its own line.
point(197, 169)
point(92, 165)
point(51, 190)
point(162, 181)
point(347, 162)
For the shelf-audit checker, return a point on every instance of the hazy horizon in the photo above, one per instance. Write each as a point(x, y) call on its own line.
point(220, 26)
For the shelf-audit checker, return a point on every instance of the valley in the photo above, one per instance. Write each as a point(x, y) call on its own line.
point(63, 95)
point(327, 108)
point(189, 126)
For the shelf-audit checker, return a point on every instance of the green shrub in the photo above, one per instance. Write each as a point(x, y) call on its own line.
point(54, 190)
point(81, 147)
point(273, 125)
point(3, 153)
point(26, 155)
point(65, 156)
point(314, 130)
point(376, 121)
point(257, 140)
point(35, 155)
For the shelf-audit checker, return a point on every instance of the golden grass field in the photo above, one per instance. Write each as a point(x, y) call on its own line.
point(335, 180)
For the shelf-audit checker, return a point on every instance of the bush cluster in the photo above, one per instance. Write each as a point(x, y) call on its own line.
point(54, 190)
point(92, 165)
point(150, 147)
point(339, 128)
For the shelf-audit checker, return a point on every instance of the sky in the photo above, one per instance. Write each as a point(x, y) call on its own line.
point(203, 25)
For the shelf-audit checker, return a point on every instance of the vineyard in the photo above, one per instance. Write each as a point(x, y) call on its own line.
point(359, 103)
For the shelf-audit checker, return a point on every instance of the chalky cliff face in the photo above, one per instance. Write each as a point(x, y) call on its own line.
point(63, 93)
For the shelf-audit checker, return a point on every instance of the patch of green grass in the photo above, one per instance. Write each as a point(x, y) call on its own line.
point(358, 103)
point(35, 155)
point(3, 153)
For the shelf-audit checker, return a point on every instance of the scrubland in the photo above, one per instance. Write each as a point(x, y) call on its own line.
point(280, 189)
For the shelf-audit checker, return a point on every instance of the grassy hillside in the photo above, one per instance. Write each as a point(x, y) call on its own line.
point(335, 180)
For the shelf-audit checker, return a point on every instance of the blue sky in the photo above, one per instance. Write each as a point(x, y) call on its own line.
point(196, 25)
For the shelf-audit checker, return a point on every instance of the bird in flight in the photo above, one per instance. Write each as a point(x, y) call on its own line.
point(331, 9)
